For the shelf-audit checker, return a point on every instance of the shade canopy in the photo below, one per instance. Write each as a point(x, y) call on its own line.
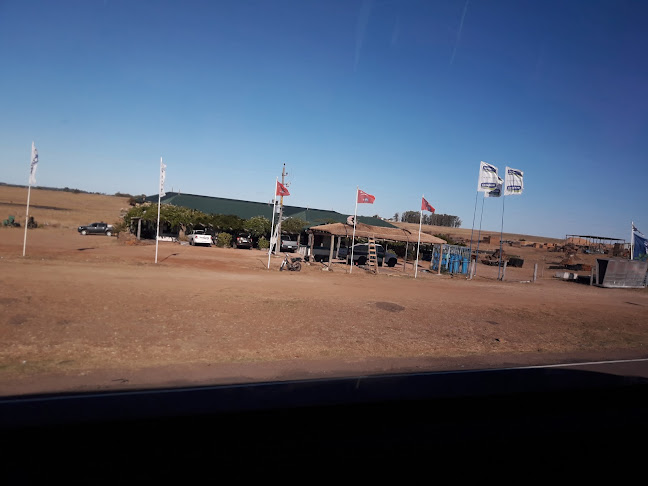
point(368, 231)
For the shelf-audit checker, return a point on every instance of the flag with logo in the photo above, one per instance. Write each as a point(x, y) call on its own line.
point(513, 182)
point(425, 206)
point(639, 245)
point(34, 163)
point(282, 190)
point(364, 197)
point(162, 177)
point(487, 177)
point(497, 192)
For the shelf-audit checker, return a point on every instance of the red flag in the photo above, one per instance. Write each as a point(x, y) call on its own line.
point(363, 197)
point(425, 206)
point(282, 190)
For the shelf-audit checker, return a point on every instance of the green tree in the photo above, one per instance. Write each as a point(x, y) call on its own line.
point(293, 226)
point(258, 226)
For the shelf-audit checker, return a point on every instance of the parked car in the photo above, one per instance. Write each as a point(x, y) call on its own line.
point(289, 244)
point(199, 237)
point(243, 240)
point(96, 229)
point(361, 255)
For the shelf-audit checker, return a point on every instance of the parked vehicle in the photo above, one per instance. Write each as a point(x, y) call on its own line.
point(322, 253)
point(289, 244)
point(243, 240)
point(199, 237)
point(11, 221)
point(361, 255)
point(96, 229)
point(290, 263)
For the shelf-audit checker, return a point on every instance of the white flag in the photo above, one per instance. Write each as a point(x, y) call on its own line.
point(487, 177)
point(497, 192)
point(162, 177)
point(34, 163)
point(513, 182)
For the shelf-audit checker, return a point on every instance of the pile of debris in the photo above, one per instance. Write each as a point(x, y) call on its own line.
point(494, 258)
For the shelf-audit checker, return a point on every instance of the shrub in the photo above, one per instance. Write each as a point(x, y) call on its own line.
point(119, 227)
point(263, 244)
point(224, 240)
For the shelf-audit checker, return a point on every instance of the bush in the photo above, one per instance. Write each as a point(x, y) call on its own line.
point(120, 227)
point(224, 240)
point(263, 244)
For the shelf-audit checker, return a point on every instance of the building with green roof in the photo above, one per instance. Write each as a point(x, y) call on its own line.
point(250, 209)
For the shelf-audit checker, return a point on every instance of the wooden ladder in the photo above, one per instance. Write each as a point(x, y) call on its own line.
point(373, 255)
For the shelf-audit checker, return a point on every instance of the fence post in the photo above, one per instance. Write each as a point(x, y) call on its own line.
point(535, 272)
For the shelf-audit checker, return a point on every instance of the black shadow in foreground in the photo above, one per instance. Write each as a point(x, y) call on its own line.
point(475, 422)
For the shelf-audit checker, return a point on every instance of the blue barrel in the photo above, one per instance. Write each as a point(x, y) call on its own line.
point(464, 265)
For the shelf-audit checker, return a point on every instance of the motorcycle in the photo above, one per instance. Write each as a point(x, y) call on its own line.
point(292, 264)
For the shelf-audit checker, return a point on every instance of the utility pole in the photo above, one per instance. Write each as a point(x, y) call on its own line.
point(283, 182)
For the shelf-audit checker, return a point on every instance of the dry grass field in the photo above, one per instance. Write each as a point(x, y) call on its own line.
point(83, 313)
point(59, 209)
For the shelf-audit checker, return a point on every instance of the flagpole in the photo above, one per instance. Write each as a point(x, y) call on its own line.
point(632, 241)
point(355, 216)
point(418, 245)
point(32, 180)
point(499, 264)
point(479, 236)
point(274, 204)
point(26, 219)
point(157, 232)
point(473, 226)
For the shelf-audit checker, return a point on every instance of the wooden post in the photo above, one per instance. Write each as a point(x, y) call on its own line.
point(405, 259)
point(337, 250)
point(440, 258)
point(592, 275)
point(139, 228)
point(331, 252)
point(309, 250)
point(535, 272)
point(504, 271)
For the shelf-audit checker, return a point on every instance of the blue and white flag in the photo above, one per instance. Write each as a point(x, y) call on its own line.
point(487, 177)
point(497, 192)
point(639, 245)
point(513, 182)
point(162, 177)
point(34, 163)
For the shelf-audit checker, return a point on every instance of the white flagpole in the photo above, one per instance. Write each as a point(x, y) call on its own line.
point(473, 226)
point(274, 209)
point(355, 216)
point(32, 169)
point(499, 264)
point(26, 219)
point(632, 241)
point(157, 233)
point(418, 245)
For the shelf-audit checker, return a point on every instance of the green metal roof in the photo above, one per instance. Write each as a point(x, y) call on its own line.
point(249, 209)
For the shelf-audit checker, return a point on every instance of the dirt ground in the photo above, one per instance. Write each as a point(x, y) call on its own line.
point(84, 313)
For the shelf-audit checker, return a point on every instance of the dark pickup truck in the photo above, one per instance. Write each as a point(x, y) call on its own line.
point(96, 229)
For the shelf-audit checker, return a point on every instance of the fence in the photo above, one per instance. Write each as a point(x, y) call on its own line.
point(454, 258)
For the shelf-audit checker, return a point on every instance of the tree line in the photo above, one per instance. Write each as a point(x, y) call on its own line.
point(183, 220)
point(431, 219)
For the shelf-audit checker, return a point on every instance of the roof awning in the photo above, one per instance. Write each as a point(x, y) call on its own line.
point(367, 231)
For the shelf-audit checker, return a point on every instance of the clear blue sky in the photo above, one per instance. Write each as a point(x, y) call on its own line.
point(401, 98)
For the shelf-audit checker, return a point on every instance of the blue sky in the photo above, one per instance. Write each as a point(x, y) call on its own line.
point(401, 98)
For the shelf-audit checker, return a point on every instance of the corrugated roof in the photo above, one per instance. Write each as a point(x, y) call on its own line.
point(250, 209)
point(365, 231)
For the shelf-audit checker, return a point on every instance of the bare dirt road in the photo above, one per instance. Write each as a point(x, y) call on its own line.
point(95, 313)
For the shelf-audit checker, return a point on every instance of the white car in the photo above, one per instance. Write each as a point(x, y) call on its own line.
point(199, 237)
